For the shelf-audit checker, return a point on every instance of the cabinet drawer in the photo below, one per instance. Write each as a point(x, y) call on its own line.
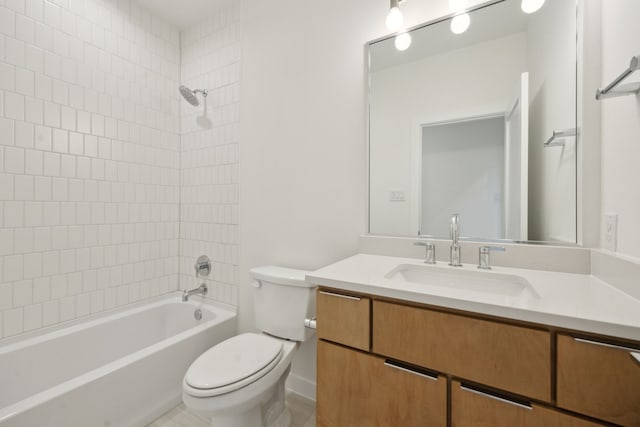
point(512, 358)
point(358, 389)
point(471, 407)
point(598, 380)
point(343, 319)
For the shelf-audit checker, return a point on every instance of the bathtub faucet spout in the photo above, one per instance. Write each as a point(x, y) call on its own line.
point(202, 290)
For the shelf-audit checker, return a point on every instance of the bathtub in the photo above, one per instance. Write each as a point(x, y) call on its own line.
point(122, 368)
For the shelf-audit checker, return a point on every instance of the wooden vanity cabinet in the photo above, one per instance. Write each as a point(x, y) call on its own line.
point(343, 318)
point(511, 358)
point(383, 362)
point(359, 389)
point(473, 407)
point(599, 379)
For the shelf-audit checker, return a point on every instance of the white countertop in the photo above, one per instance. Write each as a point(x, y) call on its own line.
point(573, 301)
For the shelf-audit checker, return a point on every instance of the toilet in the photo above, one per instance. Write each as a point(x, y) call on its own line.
point(240, 382)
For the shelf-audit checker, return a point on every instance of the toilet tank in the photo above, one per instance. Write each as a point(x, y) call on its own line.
point(282, 299)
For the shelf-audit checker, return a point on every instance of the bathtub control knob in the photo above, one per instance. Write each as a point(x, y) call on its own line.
point(202, 266)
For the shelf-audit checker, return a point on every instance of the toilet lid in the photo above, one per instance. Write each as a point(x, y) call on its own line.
point(238, 360)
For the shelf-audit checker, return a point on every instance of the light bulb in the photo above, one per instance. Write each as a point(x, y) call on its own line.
point(394, 19)
point(403, 41)
point(531, 6)
point(460, 23)
point(457, 5)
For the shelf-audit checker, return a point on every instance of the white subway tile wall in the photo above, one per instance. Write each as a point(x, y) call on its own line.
point(90, 160)
point(209, 192)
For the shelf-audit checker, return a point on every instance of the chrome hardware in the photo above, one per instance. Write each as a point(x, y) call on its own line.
point(604, 344)
point(499, 399)
point(310, 323)
point(557, 138)
point(340, 296)
point(197, 314)
point(484, 260)
point(202, 266)
point(430, 257)
point(410, 371)
point(454, 232)
point(202, 290)
point(627, 89)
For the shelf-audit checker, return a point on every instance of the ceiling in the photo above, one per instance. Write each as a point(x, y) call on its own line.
point(181, 13)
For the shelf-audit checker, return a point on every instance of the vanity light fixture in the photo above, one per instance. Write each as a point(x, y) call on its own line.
point(460, 23)
point(531, 6)
point(403, 41)
point(395, 19)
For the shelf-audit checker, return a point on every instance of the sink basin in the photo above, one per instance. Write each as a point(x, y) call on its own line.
point(454, 281)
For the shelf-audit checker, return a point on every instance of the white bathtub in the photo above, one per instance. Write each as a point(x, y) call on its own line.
point(124, 368)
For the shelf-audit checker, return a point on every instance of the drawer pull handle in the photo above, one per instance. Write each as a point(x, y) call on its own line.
point(331, 294)
point(499, 399)
point(410, 371)
point(602, 344)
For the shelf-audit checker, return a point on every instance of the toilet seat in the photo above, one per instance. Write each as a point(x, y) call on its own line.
point(232, 364)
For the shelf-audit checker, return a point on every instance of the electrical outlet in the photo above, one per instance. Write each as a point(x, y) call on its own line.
point(610, 231)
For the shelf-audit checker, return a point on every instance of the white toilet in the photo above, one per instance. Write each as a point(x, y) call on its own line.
point(240, 382)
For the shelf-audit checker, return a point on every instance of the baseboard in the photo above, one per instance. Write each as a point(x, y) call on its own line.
point(302, 386)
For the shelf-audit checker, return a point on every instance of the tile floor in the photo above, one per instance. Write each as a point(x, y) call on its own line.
point(303, 414)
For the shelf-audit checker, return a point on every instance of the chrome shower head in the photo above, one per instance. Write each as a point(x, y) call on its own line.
point(190, 95)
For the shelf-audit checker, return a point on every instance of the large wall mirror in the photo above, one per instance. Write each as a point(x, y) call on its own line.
point(482, 124)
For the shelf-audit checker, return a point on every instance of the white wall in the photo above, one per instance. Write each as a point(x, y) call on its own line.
point(403, 97)
point(210, 152)
point(303, 136)
point(552, 170)
point(621, 125)
point(88, 159)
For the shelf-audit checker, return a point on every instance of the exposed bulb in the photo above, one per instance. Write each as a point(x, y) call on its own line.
point(460, 23)
point(531, 6)
point(457, 5)
point(403, 41)
point(394, 19)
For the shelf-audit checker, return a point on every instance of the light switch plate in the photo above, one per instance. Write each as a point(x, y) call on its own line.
point(396, 196)
point(610, 231)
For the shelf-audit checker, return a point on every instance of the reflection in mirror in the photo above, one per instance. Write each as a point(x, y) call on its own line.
point(458, 124)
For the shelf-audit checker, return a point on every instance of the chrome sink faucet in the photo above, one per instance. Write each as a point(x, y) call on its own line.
point(454, 233)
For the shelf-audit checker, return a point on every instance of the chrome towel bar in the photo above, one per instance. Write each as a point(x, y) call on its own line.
point(627, 89)
point(557, 139)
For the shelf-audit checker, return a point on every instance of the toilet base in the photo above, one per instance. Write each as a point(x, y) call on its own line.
point(271, 412)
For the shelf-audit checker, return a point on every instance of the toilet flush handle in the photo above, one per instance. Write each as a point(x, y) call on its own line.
point(256, 284)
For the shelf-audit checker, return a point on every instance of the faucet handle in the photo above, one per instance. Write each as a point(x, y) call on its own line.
point(202, 266)
point(430, 257)
point(484, 261)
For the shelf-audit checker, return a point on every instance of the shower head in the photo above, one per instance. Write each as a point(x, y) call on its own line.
point(190, 95)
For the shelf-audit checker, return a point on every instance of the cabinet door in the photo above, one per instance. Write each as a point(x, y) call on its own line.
point(507, 357)
point(343, 318)
point(599, 380)
point(358, 389)
point(471, 407)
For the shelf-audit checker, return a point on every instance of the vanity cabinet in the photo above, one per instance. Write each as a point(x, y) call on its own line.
point(599, 379)
point(385, 362)
point(350, 319)
point(474, 407)
point(360, 389)
point(511, 358)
